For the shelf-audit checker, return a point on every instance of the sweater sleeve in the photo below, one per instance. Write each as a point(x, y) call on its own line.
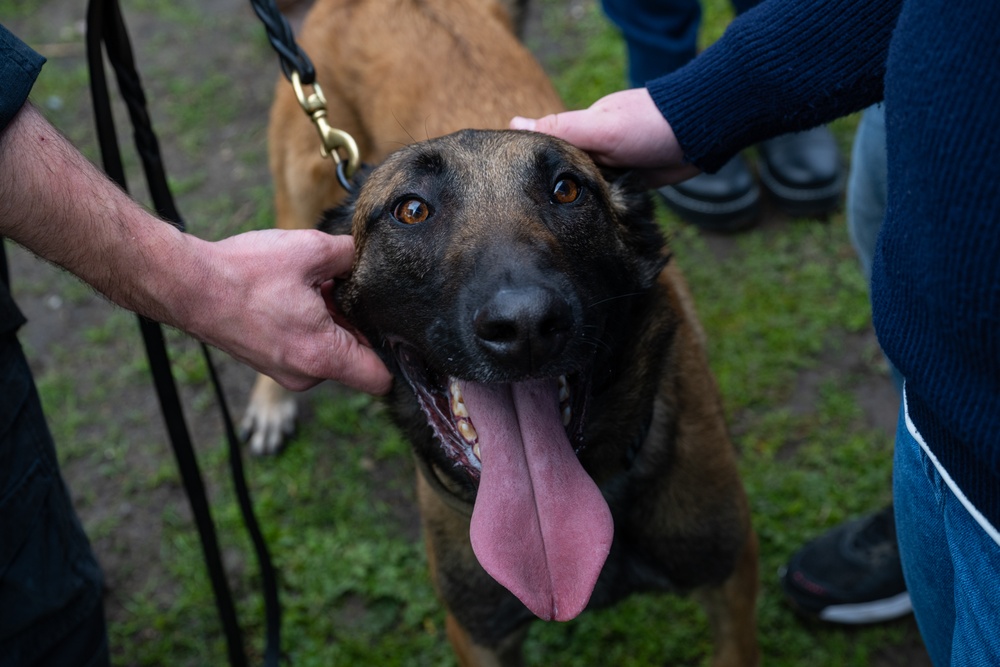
point(19, 67)
point(784, 66)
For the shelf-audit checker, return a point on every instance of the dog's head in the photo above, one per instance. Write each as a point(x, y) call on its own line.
point(495, 272)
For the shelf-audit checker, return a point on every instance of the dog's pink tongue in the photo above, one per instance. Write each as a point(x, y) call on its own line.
point(540, 526)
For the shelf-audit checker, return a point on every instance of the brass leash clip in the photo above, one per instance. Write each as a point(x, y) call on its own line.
point(333, 139)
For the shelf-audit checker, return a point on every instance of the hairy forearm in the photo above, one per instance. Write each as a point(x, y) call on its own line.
point(61, 207)
point(259, 296)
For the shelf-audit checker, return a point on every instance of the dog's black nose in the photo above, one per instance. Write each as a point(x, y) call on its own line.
point(523, 328)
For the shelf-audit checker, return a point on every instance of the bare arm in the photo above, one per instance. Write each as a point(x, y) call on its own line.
point(257, 296)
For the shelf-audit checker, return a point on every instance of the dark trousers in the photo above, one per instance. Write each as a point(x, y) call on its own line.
point(660, 35)
point(51, 611)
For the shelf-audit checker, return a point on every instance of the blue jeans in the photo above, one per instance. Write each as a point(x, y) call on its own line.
point(660, 35)
point(866, 186)
point(951, 558)
point(866, 194)
point(50, 584)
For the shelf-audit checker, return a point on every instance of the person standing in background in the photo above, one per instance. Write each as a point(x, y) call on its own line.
point(802, 171)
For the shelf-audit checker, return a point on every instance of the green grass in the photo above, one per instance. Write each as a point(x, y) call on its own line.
point(336, 508)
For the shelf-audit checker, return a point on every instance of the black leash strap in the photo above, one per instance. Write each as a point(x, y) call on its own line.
point(299, 70)
point(279, 33)
point(106, 28)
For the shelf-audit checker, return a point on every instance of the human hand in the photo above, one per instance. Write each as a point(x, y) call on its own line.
point(623, 129)
point(258, 296)
point(263, 299)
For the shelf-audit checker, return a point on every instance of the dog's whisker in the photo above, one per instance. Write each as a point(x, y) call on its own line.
point(595, 342)
point(403, 128)
point(609, 299)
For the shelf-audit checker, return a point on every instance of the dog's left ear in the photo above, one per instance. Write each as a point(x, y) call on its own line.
point(337, 220)
point(635, 214)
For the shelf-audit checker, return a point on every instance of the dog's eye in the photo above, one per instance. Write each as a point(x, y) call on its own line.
point(411, 211)
point(566, 190)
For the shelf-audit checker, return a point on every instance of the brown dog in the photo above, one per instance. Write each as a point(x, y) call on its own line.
point(552, 381)
point(567, 429)
point(393, 72)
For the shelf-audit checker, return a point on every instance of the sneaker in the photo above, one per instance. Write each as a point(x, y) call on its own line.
point(851, 574)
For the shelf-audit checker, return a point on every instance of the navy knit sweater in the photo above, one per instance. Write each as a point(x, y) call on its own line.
point(794, 64)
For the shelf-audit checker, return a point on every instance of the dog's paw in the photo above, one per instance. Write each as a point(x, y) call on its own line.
point(269, 420)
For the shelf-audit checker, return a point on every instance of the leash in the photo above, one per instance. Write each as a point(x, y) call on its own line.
point(299, 70)
point(106, 28)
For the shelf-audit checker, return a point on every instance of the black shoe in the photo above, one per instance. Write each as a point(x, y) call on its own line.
point(851, 574)
point(726, 201)
point(803, 172)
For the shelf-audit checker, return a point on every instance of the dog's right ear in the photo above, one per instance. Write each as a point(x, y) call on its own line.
point(338, 220)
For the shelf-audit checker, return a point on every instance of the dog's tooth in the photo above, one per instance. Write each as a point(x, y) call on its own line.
point(567, 415)
point(467, 430)
point(563, 389)
point(457, 402)
point(477, 451)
